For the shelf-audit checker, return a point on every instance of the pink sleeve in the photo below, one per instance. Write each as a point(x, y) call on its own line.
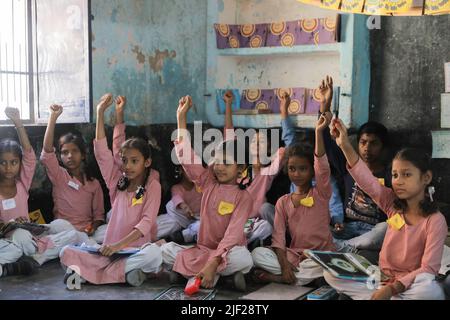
point(436, 230)
point(50, 162)
point(151, 208)
point(235, 230)
point(322, 174)
point(177, 195)
point(98, 207)
point(118, 140)
point(279, 225)
point(192, 164)
point(275, 165)
point(110, 170)
point(384, 197)
point(27, 168)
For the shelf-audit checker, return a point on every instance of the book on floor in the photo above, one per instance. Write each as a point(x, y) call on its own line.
point(177, 293)
point(349, 266)
point(278, 291)
point(95, 249)
point(322, 293)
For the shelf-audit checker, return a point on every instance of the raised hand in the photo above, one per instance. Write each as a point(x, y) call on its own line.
point(55, 111)
point(228, 97)
point(121, 101)
point(184, 104)
point(339, 132)
point(326, 90)
point(104, 102)
point(322, 123)
point(285, 101)
point(13, 114)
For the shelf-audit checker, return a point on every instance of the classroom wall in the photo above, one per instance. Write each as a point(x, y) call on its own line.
point(407, 79)
point(153, 52)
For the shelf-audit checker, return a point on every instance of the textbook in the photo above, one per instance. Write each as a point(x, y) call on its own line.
point(349, 266)
point(95, 249)
point(177, 293)
point(323, 293)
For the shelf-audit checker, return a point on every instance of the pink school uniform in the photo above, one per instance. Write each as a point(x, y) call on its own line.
point(219, 232)
point(307, 226)
point(17, 207)
point(125, 217)
point(411, 250)
point(263, 181)
point(77, 203)
point(191, 197)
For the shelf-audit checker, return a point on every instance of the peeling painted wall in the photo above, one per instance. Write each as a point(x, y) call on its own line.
point(151, 51)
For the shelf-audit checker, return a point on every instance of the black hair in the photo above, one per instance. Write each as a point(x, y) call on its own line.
point(10, 145)
point(298, 150)
point(422, 161)
point(241, 156)
point(77, 140)
point(144, 148)
point(375, 128)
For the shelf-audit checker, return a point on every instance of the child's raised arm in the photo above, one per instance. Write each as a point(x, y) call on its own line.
point(339, 132)
point(14, 115)
point(326, 94)
point(288, 132)
point(321, 126)
point(121, 101)
point(104, 103)
point(55, 112)
point(184, 104)
point(119, 129)
point(229, 128)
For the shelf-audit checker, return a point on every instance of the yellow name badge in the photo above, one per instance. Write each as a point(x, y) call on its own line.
point(396, 221)
point(381, 181)
point(36, 217)
point(135, 201)
point(198, 189)
point(307, 202)
point(225, 208)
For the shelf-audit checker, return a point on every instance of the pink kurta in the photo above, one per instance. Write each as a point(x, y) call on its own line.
point(191, 197)
point(218, 233)
point(263, 181)
point(413, 249)
point(124, 219)
point(77, 203)
point(307, 226)
point(23, 184)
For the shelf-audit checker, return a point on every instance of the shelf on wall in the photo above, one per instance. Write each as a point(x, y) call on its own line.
point(270, 51)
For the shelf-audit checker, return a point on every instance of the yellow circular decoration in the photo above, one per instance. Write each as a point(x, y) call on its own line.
point(262, 105)
point(287, 40)
point(248, 30)
point(330, 24)
point(277, 28)
point(294, 107)
point(234, 41)
point(281, 91)
point(309, 25)
point(316, 38)
point(256, 42)
point(223, 29)
point(253, 95)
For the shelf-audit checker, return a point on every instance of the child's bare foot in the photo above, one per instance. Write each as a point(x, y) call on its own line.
point(262, 277)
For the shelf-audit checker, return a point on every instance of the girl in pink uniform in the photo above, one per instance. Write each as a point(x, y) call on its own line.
point(17, 164)
point(412, 249)
point(77, 197)
point(262, 214)
point(135, 199)
point(303, 215)
point(183, 210)
point(221, 245)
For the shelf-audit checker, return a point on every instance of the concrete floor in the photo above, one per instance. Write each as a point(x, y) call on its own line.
point(47, 284)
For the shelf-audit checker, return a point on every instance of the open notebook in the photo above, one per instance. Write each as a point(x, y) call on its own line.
point(277, 291)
